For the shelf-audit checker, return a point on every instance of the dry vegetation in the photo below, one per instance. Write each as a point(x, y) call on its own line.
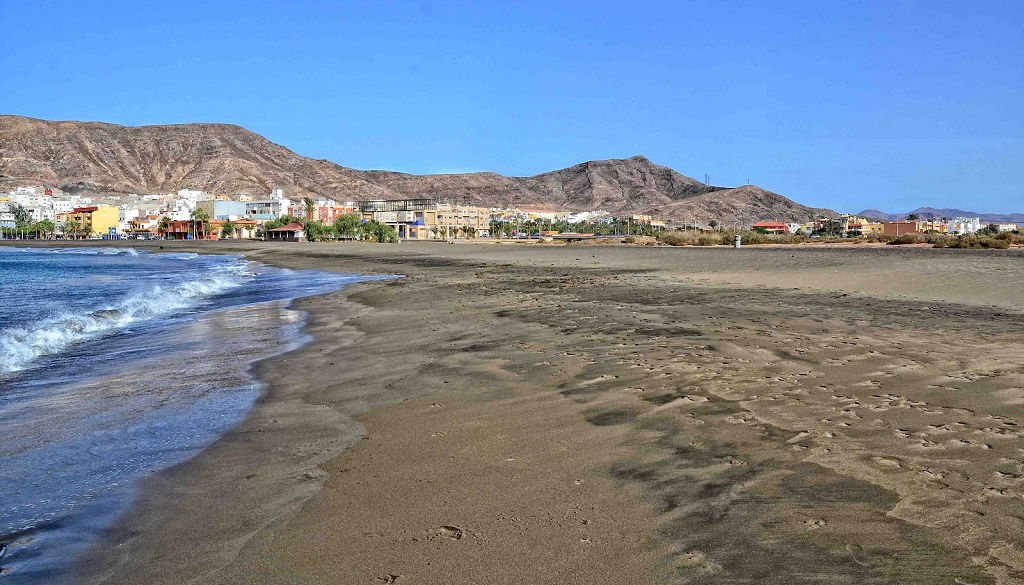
point(999, 242)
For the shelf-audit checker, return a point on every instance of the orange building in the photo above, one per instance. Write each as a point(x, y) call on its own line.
point(901, 228)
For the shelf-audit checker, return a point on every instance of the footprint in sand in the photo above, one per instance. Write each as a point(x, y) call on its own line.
point(814, 524)
point(450, 532)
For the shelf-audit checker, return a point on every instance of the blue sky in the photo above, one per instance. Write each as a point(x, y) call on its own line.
point(848, 105)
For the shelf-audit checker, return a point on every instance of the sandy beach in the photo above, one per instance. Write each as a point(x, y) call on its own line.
point(593, 414)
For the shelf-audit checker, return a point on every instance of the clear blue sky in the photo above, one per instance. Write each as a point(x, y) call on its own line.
point(848, 105)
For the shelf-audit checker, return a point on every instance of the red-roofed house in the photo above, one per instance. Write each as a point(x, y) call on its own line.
point(772, 227)
point(292, 232)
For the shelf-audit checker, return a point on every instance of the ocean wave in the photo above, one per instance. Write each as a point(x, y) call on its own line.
point(179, 256)
point(93, 251)
point(19, 347)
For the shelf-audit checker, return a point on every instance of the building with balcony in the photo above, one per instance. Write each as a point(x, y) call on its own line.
point(96, 220)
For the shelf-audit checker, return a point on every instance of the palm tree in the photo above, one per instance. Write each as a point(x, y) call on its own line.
point(164, 225)
point(71, 226)
point(307, 202)
point(199, 219)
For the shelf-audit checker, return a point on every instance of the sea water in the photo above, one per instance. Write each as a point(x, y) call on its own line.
point(115, 364)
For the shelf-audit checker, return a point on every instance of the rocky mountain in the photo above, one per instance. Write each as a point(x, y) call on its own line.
point(225, 159)
point(933, 213)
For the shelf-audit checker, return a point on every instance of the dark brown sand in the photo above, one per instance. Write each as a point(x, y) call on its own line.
point(574, 414)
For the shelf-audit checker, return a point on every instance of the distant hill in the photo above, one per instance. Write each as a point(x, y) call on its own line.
point(105, 158)
point(932, 213)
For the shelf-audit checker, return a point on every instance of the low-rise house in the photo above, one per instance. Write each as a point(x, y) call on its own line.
point(771, 227)
point(965, 225)
point(867, 228)
point(293, 232)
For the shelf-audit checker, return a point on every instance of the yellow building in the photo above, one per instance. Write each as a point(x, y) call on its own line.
point(92, 220)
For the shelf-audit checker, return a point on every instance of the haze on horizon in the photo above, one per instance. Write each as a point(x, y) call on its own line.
point(842, 105)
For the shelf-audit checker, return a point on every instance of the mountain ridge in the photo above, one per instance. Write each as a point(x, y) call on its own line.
point(949, 213)
point(98, 157)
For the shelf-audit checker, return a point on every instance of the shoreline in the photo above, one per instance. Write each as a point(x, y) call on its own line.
point(646, 367)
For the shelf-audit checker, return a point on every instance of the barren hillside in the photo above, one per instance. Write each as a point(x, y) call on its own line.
point(225, 159)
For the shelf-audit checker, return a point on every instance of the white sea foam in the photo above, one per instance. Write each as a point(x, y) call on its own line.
point(95, 251)
point(19, 347)
point(180, 256)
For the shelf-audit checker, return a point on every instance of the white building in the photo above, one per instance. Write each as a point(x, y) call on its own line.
point(267, 208)
point(127, 214)
point(191, 196)
point(1006, 227)
point(964, 225)
point(62, 206)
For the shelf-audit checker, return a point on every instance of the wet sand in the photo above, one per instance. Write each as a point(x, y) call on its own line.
point(575, 414)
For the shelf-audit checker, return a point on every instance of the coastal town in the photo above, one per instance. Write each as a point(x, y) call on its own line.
point(41, 212)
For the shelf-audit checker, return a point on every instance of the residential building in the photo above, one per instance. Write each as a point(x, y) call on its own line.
point(95, 220)
point(1006, 227)
point(453, 220)
point(411, 218)
point(191, 196)
point(964, 225)
point(265, 209)
point(864, 228)
point(223, 209)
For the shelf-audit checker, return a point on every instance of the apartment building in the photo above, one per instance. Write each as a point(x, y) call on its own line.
point(96, 220)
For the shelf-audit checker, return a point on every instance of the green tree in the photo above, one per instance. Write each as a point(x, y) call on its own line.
point(22, 216)
point(228, 229)
point(373, 230)
point(45, 229)
point(347, 225)
point(913, 217)
point(317, 231)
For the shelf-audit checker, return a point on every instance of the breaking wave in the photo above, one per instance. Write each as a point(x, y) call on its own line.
point(19, 347)
point(90, 251)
